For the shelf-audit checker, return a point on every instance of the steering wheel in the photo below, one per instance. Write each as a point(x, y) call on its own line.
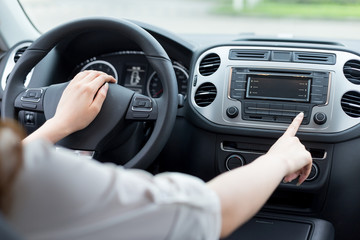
point(121, 104)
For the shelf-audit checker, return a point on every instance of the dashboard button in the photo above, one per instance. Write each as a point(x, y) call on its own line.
point(232, 112)
point(250, 108)
point(314, 173)
point(262, 108)
point(234, 161)
point(304, 109)
point(238, 76)
point(289, 113)
point(276, 109)
point(318, 98)
point(237, 94)
point(238, 84)
point(317, 90)
point(320, 118)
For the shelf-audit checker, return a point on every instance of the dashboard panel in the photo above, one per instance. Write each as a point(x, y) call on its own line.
point(225, 123)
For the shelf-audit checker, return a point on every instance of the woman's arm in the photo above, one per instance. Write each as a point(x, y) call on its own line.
point(80, 103)
point(243, 191)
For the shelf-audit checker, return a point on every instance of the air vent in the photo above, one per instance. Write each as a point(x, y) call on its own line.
point(257, 55)
point(352, 71)
point(209, 64)
point(205, 94)
point(318, 58)
point(19, 53)
point(350, 103)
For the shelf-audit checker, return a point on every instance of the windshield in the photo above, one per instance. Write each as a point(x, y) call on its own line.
point(336, 19)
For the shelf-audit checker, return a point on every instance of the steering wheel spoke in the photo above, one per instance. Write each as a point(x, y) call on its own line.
point(142, 108)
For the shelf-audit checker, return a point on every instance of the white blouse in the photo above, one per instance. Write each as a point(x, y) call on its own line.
point(59, 195)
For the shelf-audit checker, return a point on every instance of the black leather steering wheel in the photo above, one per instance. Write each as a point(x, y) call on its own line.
point(121, 105)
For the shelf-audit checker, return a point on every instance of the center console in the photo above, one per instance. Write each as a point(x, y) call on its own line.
point(266, 87)
point(283, 227)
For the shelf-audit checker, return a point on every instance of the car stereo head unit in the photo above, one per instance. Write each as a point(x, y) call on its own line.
point(277, 95)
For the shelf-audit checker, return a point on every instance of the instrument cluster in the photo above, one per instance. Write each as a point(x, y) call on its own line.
point(132, 70)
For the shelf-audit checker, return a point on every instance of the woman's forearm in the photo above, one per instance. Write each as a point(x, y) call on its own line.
point(243, 191)
point(50, 131)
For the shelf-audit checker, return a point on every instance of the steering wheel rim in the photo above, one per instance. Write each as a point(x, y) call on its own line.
point(154, 53)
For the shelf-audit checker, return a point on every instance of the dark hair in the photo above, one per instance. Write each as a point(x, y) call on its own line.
point(11, 160)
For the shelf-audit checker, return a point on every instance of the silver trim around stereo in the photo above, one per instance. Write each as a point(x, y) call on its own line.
point(338, 120)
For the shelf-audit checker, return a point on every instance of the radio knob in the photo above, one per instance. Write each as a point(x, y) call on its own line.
point(232, 112)
point(320, 118)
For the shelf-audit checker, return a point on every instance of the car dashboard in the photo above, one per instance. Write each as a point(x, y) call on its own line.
point(239, 95)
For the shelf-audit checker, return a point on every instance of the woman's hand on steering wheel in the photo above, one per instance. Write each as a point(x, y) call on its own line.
point(80, 103)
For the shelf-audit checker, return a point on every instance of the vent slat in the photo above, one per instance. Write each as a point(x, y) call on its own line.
point(239, 54)
point(352, 71)
point(19, 53)
point(350, 103)
point(205, 94)
point(320, 58)
point(209, 64)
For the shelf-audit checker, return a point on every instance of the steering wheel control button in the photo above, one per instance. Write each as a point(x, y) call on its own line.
point(232, 112)
point(29, 118)
point(29, 105)
point(320, 118)
point(142, 108)
point(141, 115)
point(314, 173)
point(234, 161)
point(32, 95)
point(30, 99)
point(142, 104)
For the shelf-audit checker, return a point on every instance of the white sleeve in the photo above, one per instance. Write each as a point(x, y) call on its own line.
point(62, 196)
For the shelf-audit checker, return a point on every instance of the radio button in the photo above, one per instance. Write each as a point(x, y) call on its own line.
point(238, 84)
point(318, 99)
point(250, 108)
point(290, 107)
point(320, 74)
point(263, 105)
point(262, 112)
point(303, 109)
point(317, 90)
point(238, 76)
point(237, 94)
point(276, 113)
point(276, 109)
point(320, 81)
point(289, 113)
point(262, 108)
point(277, 106)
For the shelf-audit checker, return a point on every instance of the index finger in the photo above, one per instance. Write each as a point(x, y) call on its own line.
point(294, 126)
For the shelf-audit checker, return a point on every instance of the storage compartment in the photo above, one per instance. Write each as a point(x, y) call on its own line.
point(282, 227)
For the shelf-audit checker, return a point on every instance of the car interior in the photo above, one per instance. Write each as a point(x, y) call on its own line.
point(202, 105)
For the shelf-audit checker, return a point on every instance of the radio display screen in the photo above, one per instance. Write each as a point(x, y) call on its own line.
point(273, 87)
